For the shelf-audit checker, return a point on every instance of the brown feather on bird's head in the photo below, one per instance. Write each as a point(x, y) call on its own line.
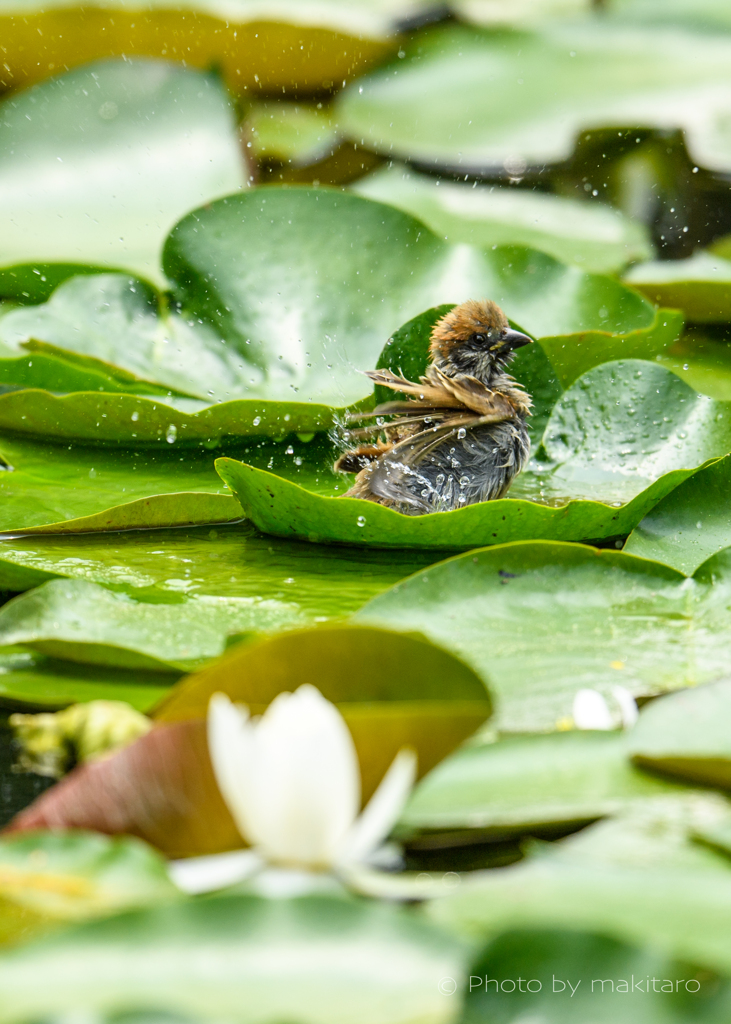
point(474, 338)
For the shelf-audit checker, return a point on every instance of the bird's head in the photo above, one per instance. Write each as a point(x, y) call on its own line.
point(475, 338)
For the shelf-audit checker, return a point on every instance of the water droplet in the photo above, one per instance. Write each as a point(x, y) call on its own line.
point(464, 481)
point(361, 521)
point(257, 421)
point(135, 417)
point(699, 525)
point(461, 433)
point(289, 450)
point(171, 433)
point(686, 366)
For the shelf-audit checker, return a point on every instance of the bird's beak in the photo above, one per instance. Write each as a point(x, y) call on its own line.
point(514, 339)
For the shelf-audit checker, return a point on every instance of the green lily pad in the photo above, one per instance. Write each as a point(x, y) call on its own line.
point(528, 784)
point(61, 489)
point(97, 164)
point(355, 271)
point(690, 524)
point(620, 439)
point(465, 99)
point(84, 622)
point(339, 957)
point(47, 878)
point(661, 899)
point(699, 285)
point(292, 47)
point(686, 735)
point(538, 621)
point(226, 561)
point(34, 681)
point(589, 235)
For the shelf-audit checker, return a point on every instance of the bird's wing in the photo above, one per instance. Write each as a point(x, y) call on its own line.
point(474, 394)
point(428, 391)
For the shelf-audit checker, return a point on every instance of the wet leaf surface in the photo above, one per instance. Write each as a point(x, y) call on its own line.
point(539, 621)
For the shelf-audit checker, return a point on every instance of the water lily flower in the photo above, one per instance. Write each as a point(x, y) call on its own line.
point(291, 781)
point(591, 710)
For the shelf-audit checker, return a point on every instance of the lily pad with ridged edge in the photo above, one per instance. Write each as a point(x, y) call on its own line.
point(74, 620)
point(590, 235)
point(690, 524)
point(620, 439)
point(528, 784)
point(97, 164)
point(541, 620)
point(332, 276)
point(354, 271)
point(465, 99)
point(341, 958)
point(394, 689)
point(699, 285)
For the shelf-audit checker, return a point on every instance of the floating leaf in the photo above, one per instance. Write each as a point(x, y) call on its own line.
point(528, 784)
point(291, 47)
point(664, 902)
point(464, 99)
point(690, 524)
point(699, 285)
point(342, 959)
point(619, 440)
point(97, 164)
point(394, 690)
point(355, 271)
point(686, 735)
point(47, 878)
point(538, 621)
point(591, 235)
point(61, 489)
point(79, 621)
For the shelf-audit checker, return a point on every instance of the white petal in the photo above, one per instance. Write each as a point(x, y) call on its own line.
point(231, 749)
point(383, 809)
point(627, 706)
point(307, 783)
point(205, 874)
point(591, 711)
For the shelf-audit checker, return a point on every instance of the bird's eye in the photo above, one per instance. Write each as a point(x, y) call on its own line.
point(480, 338)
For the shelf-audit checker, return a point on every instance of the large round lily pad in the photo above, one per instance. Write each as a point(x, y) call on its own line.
point(282, 298)
point(540, 621)
point(620, 439)
point(467, 99)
